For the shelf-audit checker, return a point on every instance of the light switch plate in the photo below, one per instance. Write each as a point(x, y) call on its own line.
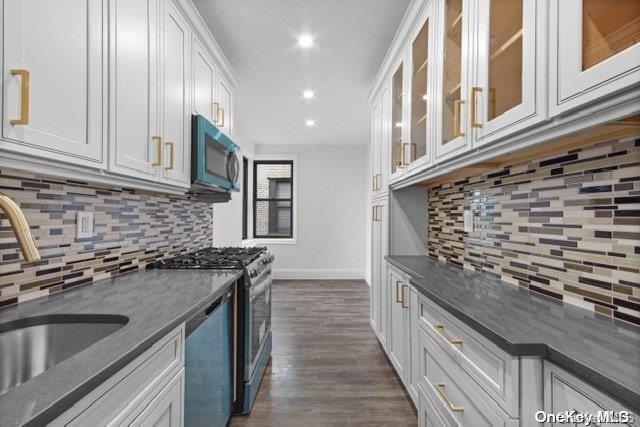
point(468, 220)
point(84, 224)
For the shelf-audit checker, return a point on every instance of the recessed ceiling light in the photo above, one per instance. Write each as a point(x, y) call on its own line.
point(424, 96)
point(398, 124)
point(310, 123)
point(308, 94)
point(305, 40)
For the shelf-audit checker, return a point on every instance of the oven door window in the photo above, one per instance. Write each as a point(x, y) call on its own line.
point(260, 303)
point(216, 158)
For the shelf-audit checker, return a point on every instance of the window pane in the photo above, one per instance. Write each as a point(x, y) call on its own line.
point(266, 178)
point(419, 81)
point(608, 28)
point(452, 69)
point(273, 218)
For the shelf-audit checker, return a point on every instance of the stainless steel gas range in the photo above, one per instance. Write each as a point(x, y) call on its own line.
point(254, 340)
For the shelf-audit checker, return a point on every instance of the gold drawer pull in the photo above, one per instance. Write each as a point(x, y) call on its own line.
point(403, 295)
point(440, 390)
point(171, 154)
point(373, 184)
point(24, 98)
point(215, 112)
point(158, 141)
point(474, 107)
point(440, 330)
point(378, 180)
point(398, 285)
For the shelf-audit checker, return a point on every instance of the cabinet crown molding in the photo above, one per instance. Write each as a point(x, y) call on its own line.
point(414, 11)
point(204, 33)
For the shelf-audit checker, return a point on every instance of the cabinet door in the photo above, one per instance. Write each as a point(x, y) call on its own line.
point(397, 330)
point(205, 83)
point(167, 409)
point(510, 49)
point(375, 269)
point(454, 28)
point(420, 78)
point(595, 50)
point(176, 90)
point(385, 140)
point(60, 109)
point(396, 123)
point(225, 98)
point(412, 345)
point(134, 139)
point(376, 135)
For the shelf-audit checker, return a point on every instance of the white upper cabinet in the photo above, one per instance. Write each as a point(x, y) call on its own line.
point(376, 135)
point(205, 82)
point(53, 102)
point(594, 50)
point(223, 121)
point(176, 94)
point(134, 139)
point(508, 90)
point(420, 76)
point(450, 98)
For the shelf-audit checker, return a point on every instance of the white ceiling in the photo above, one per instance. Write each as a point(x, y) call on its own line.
point(259, 39)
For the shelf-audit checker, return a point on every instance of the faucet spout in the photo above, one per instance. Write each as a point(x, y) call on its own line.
point(20, 228)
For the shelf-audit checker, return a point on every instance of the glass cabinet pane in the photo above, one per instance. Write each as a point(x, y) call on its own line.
point(608, 28)
point(396, 117)
point(505, 56)
point(452, 70)
point(420, 58)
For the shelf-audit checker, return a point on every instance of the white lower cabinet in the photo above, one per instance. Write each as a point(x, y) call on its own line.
point(563, 391)
point(147, 391)
point(457, 377)
point(379, 247)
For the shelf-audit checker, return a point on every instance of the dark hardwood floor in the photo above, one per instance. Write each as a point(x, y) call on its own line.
point(327, 367)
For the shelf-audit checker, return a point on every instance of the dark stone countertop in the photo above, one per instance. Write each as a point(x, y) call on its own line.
point(155, 301)
point(601, 350)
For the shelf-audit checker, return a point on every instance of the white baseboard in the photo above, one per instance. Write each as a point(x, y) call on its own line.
point(291, 274)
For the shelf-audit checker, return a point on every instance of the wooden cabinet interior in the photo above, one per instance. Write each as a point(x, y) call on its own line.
point(606, 33)
point(505, 60)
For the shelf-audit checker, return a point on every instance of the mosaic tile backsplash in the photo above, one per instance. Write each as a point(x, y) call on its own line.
point(567, 226)
point(131, 228)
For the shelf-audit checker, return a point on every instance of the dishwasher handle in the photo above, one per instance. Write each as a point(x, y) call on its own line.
point(201, 315)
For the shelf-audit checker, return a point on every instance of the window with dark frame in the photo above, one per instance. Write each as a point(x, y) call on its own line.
point(273, 199)
point(245, 197)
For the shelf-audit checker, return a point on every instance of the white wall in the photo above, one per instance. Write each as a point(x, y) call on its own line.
point(331, 190)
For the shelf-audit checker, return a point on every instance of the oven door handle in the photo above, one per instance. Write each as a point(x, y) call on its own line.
point(260, 288)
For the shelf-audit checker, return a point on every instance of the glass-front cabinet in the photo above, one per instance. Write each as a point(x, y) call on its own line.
point(396, 125)
point(417, 150)
point(451, 102)
point(594, 50)
point(506, 95)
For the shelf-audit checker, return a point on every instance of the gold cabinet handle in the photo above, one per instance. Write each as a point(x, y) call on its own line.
point(440, 329)
point(404, 302)
point(474, 107)
point(399, 156)
point(456, 118)
point(215, 112)
point(222, 115)
point(378, 180)
point(24, 97)
point(398, 287)
point(375, 213)
point(171, 154)
point(440, 389)
point(412, 152)
point(373, 183)
point(158, 141)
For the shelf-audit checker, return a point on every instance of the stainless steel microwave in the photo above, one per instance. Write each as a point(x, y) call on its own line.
point(214, 159)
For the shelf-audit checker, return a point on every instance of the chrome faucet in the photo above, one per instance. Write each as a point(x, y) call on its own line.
point(20, 228)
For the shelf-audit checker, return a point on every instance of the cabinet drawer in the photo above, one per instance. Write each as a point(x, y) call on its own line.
point(490, 367)
point(427, 414)
point(447, 388)
point(141, 378)
point(564, 392)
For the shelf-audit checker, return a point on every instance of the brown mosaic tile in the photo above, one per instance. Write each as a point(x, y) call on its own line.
point(565, 226)
point(131, 229)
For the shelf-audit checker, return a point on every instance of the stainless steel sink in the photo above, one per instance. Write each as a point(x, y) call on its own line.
point(30, 346)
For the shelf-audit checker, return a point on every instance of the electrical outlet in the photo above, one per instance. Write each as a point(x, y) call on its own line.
point(468, 220)
point(84, 224)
